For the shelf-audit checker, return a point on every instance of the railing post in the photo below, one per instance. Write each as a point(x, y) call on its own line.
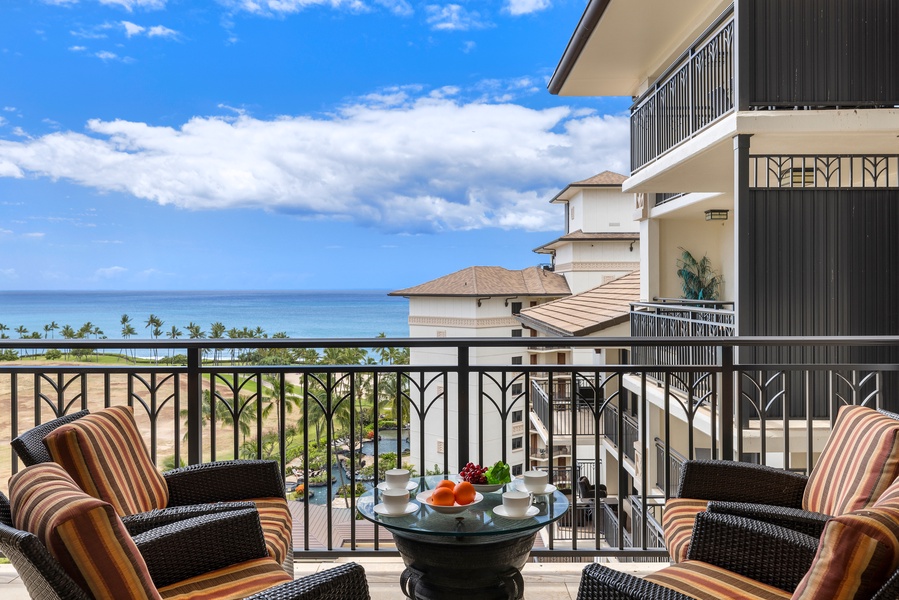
point(464, 377)
point(194, 405)
point(726, 355)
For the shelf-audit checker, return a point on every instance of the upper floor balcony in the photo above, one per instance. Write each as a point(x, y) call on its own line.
point(336, 424)
point(765, 55)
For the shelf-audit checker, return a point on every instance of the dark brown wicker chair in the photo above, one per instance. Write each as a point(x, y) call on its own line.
point(195, 490)
point(45, 579)
point(768, 554)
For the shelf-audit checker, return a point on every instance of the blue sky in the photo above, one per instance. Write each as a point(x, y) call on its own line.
point(285, 144)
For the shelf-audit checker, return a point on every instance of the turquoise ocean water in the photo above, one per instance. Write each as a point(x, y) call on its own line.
point(299, 314)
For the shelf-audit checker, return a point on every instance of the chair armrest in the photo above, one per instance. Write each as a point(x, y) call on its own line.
point(803, 521)
point(601, 583)
point(767, 553)
point(346, 582)
point(223, 481)
point(182, 550)
point(741, 482)
point(143, 522)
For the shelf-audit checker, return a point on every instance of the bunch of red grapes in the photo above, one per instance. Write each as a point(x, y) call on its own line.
point(473, 473)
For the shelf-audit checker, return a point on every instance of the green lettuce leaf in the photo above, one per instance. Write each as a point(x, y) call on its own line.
point(499, 473)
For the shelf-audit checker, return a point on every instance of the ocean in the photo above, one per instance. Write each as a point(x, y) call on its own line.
point(299, 314)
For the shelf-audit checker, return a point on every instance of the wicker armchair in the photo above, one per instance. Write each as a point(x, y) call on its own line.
point(738, 557)
point(192, 491)
point(186, 554)
point(803, 503)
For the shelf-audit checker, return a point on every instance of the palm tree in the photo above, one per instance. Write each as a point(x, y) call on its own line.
point(698, 280)
point(218, 331)
point(174, 334)
point(22, 331)
point(67, 333)
point(156, 331)
point(53, 326)
point(127, 331)
point(3, 328)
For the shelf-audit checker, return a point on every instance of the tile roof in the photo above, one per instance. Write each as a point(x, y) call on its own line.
point(492, 281)
point(581, 236)
point(604, 179)
point(587, 312)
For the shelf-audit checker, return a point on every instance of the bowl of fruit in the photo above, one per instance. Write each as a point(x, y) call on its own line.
point(486, 479)
point(450, 497)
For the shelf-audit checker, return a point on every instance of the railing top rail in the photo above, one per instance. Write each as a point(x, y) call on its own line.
point(669, 302)
point(549, 342)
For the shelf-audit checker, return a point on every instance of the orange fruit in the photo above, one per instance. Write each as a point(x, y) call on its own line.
point(442, 496)
point(464, 492)
point(447, 483)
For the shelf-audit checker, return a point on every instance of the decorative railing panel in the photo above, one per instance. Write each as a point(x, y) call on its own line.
point(827, 171)
point(327, 421)
point(697, 90)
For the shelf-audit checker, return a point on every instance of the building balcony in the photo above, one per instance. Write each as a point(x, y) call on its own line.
point(270, 402)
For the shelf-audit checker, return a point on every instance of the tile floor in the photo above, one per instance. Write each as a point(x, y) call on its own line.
point(543, 581)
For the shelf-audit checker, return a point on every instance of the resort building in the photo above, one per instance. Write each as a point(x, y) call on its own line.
point(591, 276)
point(763, 138)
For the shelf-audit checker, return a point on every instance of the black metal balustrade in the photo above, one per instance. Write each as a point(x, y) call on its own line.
point(562, 407)
point(675, 461)
point(697, 90)
point(260, 411)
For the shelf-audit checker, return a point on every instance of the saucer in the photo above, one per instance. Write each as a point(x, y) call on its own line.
point(549, 489)
point(409, 486)
point(500, 510)
point(381, 509)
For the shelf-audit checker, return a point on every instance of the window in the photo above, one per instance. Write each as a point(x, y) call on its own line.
point(560, 358)
point(516, 360)
point(516, 470)
point(516, 308)
point(517, 415)
point(517, 443)
point(517, 388)
point(533, 359)
point(516, 333)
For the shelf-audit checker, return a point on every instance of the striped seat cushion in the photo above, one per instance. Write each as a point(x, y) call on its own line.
point(277, 527)
point(677, 522)
point(83, 533)
point(859, 461)
point(230, 583)
point(858, 552)
point(105, 454)
point(707, 582)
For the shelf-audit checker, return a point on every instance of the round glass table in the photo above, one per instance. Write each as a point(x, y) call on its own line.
point(474, 554)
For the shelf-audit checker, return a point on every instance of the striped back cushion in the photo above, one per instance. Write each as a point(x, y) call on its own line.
point(83, 533)
point(105, 455)
point(858, 552)
point(859, 461)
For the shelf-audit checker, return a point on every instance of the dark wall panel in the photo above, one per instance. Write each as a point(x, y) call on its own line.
point(819, 262)
point(824, 52)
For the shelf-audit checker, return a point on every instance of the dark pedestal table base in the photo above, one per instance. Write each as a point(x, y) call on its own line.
point(463, 569)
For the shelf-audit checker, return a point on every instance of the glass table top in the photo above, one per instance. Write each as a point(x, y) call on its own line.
point(480, 519)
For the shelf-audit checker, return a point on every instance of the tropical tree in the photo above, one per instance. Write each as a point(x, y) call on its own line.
point(127, 331)
point(217, 332)
point(23, 333)
point(154, 324)
point(3, 329)
point(67, 333)
point(173, 335)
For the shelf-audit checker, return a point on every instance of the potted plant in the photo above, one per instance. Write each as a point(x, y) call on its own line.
point(699, 280)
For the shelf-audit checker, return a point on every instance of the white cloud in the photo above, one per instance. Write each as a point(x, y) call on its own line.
point(109, 272)
point(468, 46)
point(161, 31)
point(8, 274)
point(416, 162)
point(284, 7)
point(106, 55)
point(132, 29)
point(130, 5)
point(2, 121)
point(34, 235)
point(453, 17)
point(77, 48)
point(526, 7)
point(9, 108)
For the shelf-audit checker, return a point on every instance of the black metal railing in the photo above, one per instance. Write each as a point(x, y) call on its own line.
point(697, 90)
point(562, 406)
point(323, 419)
point(675, 462)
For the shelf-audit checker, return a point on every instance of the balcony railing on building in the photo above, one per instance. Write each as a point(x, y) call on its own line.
point(323, 420)
point(841, 63)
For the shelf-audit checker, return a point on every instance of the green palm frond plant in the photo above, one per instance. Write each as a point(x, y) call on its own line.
point(700, 281)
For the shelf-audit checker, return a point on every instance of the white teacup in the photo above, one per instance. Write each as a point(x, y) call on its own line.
point(536, 481)
point(397, 479)
point(516, 504)
point(395, 501)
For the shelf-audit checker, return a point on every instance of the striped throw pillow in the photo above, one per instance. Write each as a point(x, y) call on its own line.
point(859, 462)
point(105, 455)
point(83, 533)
